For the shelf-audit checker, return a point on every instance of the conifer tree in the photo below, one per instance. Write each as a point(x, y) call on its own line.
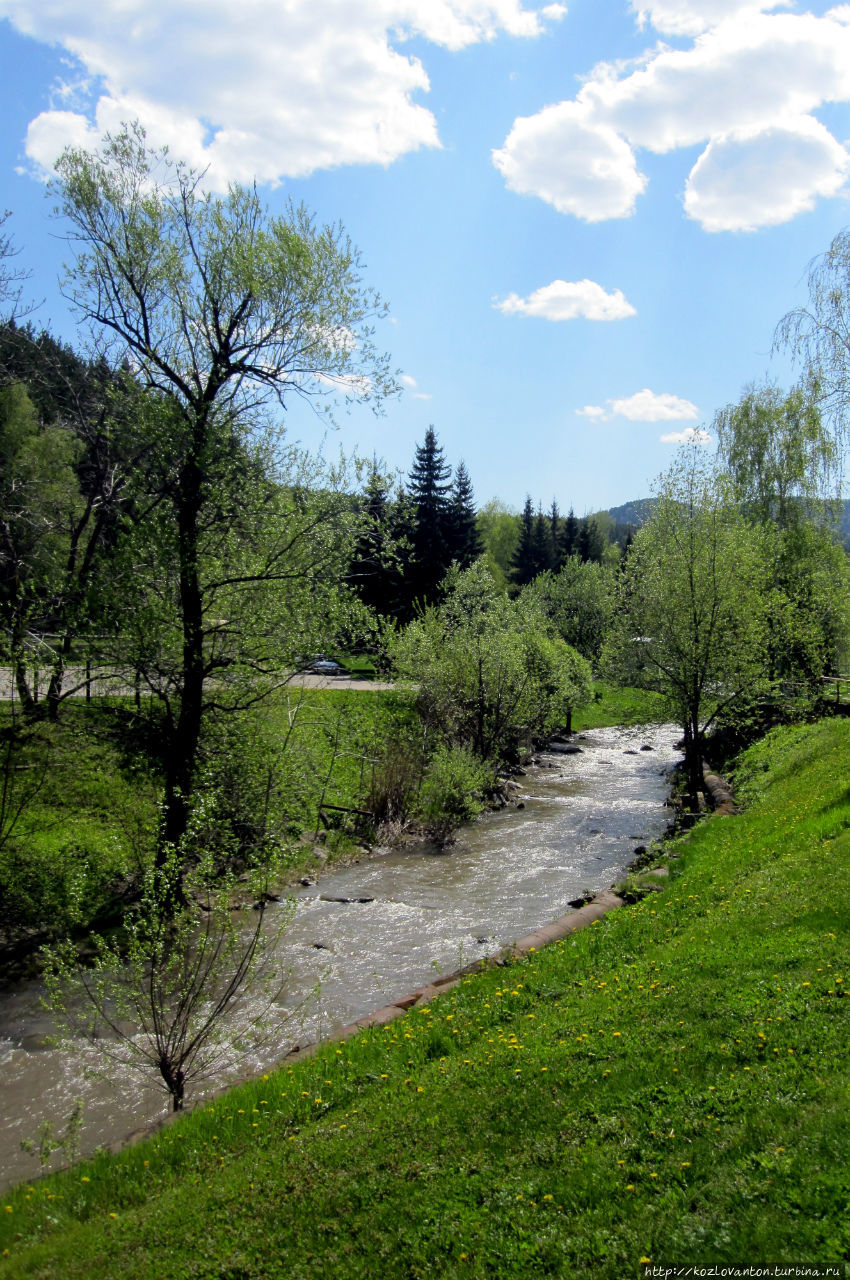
point(568, 542)
point(431, 527)
point(541, 543)
point(554, 536)
point(591, 543)
point(466, 540)
point(522, 565)
point(375, 571)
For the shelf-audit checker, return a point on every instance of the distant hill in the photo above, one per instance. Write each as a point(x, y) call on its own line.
point(638, 512)
point(634, 513)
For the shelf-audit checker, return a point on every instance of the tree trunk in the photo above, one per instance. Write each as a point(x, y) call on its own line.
point(693, 763)
point(183, 750)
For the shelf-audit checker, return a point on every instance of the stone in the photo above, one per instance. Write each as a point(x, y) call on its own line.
point(329, 897)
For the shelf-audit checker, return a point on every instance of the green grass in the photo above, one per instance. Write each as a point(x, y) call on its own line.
point(614, 704)
point(669, 1084)
point(92, 787)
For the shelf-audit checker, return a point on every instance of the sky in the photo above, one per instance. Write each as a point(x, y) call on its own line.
point(587, 218)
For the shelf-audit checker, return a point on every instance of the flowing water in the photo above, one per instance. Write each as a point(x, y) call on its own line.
point(428, 911)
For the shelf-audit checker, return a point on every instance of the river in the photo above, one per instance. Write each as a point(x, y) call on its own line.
point(429, 911)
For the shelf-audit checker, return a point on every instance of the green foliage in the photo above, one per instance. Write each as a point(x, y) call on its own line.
point(223, 309)
point(579, 599)
point(692, 612)
point(490, 673)
point(453, 785)
point(778, 452)
point(668, 1084)
point(498, 527)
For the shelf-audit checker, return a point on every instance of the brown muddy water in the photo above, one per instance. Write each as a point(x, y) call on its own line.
point(430, 912)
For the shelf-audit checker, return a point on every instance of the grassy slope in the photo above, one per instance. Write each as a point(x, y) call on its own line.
point(670, 1084)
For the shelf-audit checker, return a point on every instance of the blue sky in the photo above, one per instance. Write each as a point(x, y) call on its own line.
point(587, 218)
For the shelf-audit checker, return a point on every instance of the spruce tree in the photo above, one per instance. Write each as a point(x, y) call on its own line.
point(375, 571)
point(522, 565)
point(466, 540)
point(541, 544)
point(568, 542)
point(591, 542)
point(431, 529)
point(554, 537)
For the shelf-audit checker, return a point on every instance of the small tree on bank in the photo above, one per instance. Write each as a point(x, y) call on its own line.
point(167, 996)
point(692, 613)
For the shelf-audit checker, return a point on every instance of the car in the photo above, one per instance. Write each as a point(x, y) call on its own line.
point(324, 667)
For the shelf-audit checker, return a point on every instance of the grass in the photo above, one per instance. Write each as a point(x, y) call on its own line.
point(669, 1085)
point(614, 704)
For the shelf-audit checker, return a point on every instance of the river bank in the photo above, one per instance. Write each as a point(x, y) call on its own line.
point(669, 1085)
point(375, 931)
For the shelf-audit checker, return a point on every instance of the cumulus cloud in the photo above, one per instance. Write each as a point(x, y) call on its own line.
point(411, 384)
point(643, 406)
point(690, 435)
point(258, 90)
point(742, 182)
point(573, 162)
point(745, 89)
point(569, 300)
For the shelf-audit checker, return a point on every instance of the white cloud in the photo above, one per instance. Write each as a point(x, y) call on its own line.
point(690, 17)
point(744, 88)
point(643, 406)
point(569, 300)
point(646, 406)
point(258, 90)
point(411, 384)
point(690, 435)
point(577, 165)
point(744, 182)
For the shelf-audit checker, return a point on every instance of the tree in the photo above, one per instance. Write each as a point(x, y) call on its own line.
point(569, 537)
point(466, 543)
point(818, 335)
point(491, 673)
point(498, 527)
point(579, 600)
point(782, 460)
point(590, 543)
point(431, 529)
point(376, 566)
point(11, 277)
point(167, 993)
point(778, 452)
point(523, 561)
point(96, 411)
point(691, 615)
point(40, 505)
point(222, 310)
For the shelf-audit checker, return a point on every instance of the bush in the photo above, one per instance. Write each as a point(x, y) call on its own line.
point(452, 788)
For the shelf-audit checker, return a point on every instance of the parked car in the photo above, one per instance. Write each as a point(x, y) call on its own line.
point(322, 666)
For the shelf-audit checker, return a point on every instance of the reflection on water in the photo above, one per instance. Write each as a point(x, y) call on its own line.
point(429, 912)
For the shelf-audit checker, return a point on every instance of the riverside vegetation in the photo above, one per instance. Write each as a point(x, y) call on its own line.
point(667, 1086)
